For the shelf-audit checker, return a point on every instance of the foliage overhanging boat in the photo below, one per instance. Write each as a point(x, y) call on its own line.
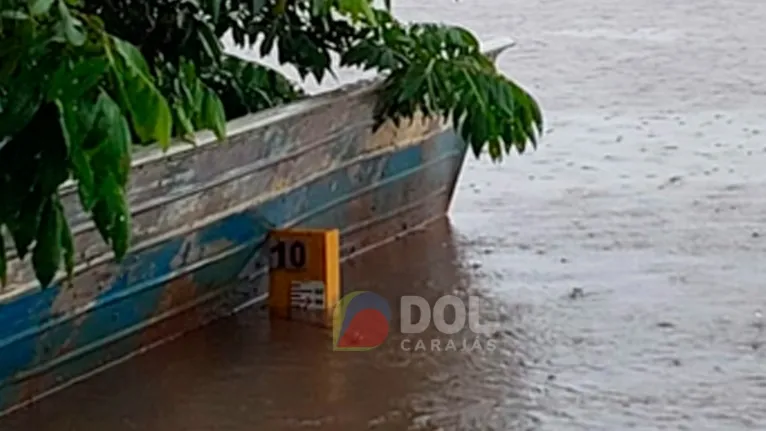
point(200, 215)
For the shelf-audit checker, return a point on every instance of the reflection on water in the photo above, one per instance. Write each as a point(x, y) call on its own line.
point(245, 373)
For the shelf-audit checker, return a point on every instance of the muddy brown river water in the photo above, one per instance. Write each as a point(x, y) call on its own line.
point(647, 199)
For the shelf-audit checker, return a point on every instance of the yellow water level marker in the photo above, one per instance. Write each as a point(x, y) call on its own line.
point(304, 273)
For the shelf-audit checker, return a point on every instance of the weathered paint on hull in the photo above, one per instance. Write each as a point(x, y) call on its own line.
point(200, 218)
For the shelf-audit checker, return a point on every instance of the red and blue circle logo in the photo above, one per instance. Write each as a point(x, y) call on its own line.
point(360, 321)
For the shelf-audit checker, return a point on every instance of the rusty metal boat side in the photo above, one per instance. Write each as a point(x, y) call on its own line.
point(201, 214)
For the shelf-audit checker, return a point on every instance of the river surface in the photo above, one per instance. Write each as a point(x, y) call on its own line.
point(624, 261)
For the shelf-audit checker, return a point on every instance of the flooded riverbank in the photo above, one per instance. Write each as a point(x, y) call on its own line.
point(622, 259)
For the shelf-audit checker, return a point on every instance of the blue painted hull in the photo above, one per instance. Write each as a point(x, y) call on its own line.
point(154, 299)
point(200, 218)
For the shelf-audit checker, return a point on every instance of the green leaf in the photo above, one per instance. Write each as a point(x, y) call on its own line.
point(215, 9)
point(149, 110)
point(267, 44)
point(69, 83)
point(113, 134)
point(411, 82)
point(213, 116)
point(183, 121)
point(112, 216)
point(210, 43)
point(19, 108)
point(357, 9)
point(77, 120)
point(103, 218)
point(24, 227)
point(121, 227)
point(69, 26)
point(39, 7)
point(318, 7)
point(495, 150)
point(46, 256)
point(3, 260)
point(132, 57)
point(16, 15)
point(86, 184)
point(52, 169)
point(67, 242)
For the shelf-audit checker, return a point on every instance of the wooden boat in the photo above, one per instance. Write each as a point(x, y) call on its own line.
point(200, 217)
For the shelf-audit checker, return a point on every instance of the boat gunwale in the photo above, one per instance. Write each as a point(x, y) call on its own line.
point(267, 117)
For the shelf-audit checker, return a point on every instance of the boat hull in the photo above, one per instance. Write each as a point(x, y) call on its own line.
point(200, 217)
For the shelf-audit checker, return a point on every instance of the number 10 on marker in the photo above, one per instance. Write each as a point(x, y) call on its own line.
point(301, 258)
point(288, 254)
